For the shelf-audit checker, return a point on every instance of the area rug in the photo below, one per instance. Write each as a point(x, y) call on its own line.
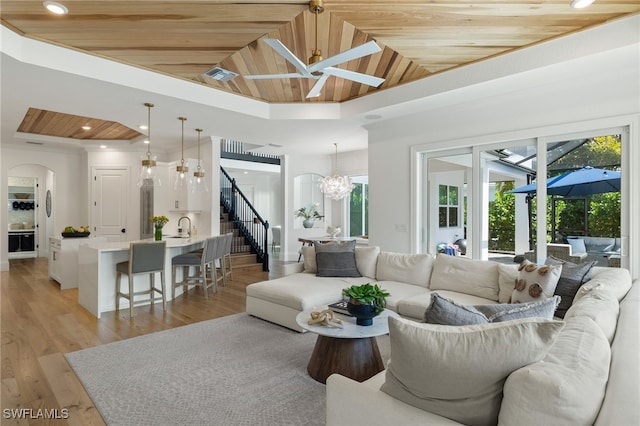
point(235, 370)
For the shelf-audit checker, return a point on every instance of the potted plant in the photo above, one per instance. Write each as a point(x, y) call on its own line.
point(309, 214)
point(365, 302)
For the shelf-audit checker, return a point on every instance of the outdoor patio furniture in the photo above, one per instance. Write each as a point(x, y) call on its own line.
point(560, 251)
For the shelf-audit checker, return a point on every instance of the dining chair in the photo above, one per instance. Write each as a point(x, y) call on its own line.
point(276, 232)
point(204, 263)
point(144, 258)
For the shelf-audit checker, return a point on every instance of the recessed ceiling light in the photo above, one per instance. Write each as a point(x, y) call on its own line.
point(143, 127)
point(103, 146)
point(146, 141)
point(55, 7)
point(579, 4)
point(86, 127)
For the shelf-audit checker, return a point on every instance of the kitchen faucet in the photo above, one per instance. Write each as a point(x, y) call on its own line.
point(189, 219)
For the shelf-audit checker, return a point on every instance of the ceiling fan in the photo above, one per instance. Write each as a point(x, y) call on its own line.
point(321, 69)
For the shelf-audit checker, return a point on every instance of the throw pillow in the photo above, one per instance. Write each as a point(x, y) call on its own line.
point(459, 372)
point(535, 282)
point(446, 312)
point(577, 245)
point(571, 278)
point(336, 259)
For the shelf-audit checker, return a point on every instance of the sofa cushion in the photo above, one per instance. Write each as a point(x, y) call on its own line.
point(457, 273)
point(446, 312)
point(459, 372)
point(302, 291)
point(535, 282)
point(577, 245)
point(567, 387)
point(367, 260)
point(571, 278)
point(507, 277)
point(597, 302)
point(614, 280)
point(309, 259)
point(336, 259)
point(406, 268)
point(399, 292)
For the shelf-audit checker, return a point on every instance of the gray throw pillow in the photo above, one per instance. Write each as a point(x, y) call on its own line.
point(571, 278)
point(446, 312)
point(336, 259)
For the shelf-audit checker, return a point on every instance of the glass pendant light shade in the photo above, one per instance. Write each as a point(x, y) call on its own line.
point(183, 180)
point(336, 187)
point(148, 175)
point(199, 180)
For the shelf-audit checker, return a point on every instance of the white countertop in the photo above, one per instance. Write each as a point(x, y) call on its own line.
point(124, 245)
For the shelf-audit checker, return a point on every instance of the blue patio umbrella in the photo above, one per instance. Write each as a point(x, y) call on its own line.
point(583, 181)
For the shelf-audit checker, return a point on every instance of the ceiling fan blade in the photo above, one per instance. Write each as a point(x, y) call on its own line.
point(317, 88)
point(267, 76)
point(369, 80)
point(346, 56)
point(277, 45)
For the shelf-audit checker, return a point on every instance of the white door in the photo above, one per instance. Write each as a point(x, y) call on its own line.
point(110, 189)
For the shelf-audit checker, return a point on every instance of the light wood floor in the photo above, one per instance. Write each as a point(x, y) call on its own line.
point(40, 323)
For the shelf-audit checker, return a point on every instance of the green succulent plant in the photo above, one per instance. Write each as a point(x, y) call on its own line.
point(367, 293)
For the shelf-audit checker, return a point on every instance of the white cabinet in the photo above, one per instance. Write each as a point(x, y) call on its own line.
point(183, 200)
point(63, 259)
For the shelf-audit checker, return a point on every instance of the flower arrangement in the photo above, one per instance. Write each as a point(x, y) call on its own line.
point(309, 212)
point(159, 221)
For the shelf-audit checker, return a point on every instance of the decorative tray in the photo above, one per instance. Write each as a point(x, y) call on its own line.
point(75, 234)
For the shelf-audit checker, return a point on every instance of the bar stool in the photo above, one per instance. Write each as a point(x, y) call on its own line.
point(227, 271)
point(203, 261)
point(144, 258)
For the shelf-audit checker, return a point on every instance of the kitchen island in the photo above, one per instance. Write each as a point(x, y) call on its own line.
point(97, 272)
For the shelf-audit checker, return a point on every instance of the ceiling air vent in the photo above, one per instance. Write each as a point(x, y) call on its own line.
point(220, 74)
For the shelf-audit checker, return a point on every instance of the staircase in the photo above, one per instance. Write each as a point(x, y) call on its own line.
point(242, 260)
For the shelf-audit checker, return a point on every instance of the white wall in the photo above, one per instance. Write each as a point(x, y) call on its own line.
point(579, 93)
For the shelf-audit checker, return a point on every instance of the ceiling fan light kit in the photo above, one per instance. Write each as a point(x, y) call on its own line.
point(321, 69)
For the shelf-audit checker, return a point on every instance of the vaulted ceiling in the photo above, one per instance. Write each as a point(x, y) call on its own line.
point(418, 38)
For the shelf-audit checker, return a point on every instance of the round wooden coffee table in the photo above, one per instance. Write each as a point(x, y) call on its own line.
point(351, 351)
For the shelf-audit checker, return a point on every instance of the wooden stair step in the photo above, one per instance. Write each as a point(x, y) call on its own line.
point(243, 259)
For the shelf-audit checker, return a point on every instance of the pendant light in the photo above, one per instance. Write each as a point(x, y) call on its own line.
point(199, 182)
point(336, 187)
point(182, 177)
point(148, 175)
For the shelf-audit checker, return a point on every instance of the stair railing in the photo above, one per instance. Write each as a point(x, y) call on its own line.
point(245, 218)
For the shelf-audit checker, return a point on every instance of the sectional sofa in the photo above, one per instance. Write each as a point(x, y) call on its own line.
point(586, 371)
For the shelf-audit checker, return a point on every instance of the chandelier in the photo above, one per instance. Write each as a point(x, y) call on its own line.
point(336, 187)
point(148, 175)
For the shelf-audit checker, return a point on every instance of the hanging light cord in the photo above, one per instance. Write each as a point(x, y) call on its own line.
point(198, 130)
point(182, 148)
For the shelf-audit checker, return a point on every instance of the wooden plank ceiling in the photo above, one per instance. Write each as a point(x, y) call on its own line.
point(50, 123)
point(186, 38)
